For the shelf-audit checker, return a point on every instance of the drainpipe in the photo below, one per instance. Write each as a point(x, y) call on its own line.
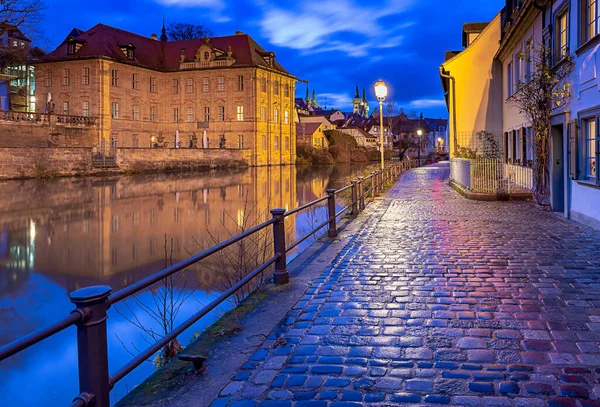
point(543, 10)
point(451, 89)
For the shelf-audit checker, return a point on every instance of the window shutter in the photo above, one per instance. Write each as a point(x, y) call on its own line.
point(573, 158)
point(597, 161)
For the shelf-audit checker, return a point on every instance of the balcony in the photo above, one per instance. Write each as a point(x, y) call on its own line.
point(45, 118)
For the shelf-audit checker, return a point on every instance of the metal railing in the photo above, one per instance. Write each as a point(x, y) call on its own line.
point(92, 303)
point(490, 176)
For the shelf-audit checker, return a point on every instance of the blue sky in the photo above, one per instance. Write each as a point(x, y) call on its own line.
point(333, 44)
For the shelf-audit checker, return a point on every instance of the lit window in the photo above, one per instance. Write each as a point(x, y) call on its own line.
point(263, 113)
point(86, 76)
point(276, 115)
point(286, 117)
point(207, 114)
point(590, 15)
point(591, 136)
point(561, 36)
point(66, 109)
point(49, 78)
point(241, 141)
point(175, 115)
point(240, 113)
point(115, 110)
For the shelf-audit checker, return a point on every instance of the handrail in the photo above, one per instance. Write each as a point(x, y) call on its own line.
point(148, 281)
point(93, 302)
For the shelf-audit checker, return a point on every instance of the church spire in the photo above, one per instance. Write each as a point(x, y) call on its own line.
point(364, 98)
point(314, 96)
point(357, 95)
point(306, 99)
point(163, 33)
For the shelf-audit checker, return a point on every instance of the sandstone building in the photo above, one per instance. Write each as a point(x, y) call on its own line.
point(221, 92)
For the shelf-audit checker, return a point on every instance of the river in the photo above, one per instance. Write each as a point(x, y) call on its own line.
point(60, 235)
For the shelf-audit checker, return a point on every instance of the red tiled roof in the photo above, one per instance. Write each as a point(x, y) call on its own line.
point(105, 41)
point(307, 128)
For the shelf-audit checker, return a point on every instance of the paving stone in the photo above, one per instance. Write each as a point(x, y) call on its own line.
point(405, 398)
point(419, 385)
point(437, 399)
point(481, 387)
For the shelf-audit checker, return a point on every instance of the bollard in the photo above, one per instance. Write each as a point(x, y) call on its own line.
point(281, 275)
point(361, 195)
point(92, 351)
point(354, 210)
point(332, 232)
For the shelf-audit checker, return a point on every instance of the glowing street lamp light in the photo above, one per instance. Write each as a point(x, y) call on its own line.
point(419, 134)
point(381, 93)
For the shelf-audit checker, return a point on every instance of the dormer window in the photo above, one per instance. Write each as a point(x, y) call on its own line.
point(73, 46)
point(71, 49)
point(207, 55)
point(128, 50)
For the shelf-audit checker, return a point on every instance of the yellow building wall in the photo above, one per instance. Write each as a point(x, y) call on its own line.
point(478, 79)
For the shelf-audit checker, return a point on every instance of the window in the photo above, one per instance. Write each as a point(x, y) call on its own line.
point(276, 143)
point(66, 77)
point(263, 113)
point(190, 85)
point(221, 113)
point(86, 76)
point(135, 81)
point(276, 88)
point(207, 114)
point(114, 77)
point(66, 108)
point(240, 82)
point(263, 85)
point(175, 115)
point(287, 143)
point(115, 110)
point(86, 108)
point(264, 142)
point(114, 143)
point(509, 74)
point(175, 86)
point(286, 117)
point(153, 114)
point(590, 17)
point(49, 78)
point(561, 36)
point(205, 85)
point(276, 115)
point(135, 112)
point(517, 73)
point(591, 137)
point(190, 114)
point(240, 113)
point(221, 83)
point(286, 91)
point(71, 48)
point(130, 53)
point(528, 55)
point(152, 84)
point(241, 141)
point(206, 55)
point(136, 144)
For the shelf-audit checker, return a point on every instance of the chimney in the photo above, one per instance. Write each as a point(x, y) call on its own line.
point(154, 37)
point(239, 33)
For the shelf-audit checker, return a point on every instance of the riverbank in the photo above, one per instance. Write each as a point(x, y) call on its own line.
point(244, 330)
point(39, 162)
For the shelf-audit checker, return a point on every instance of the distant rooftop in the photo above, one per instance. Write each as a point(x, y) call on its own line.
point(474, 27)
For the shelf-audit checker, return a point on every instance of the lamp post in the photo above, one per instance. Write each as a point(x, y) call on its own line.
point(381, 93)
point(419, 134)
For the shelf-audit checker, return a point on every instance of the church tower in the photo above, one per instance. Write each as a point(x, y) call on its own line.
point(365, 104)
point(356, 103)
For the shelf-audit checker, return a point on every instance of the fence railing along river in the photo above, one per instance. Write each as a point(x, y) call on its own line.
point(92, 303)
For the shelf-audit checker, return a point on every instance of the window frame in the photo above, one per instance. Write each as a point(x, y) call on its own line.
point(220, 84)
point(586, 24)
point(85, 108)
point(153, 84)
point(205, 85)
point(587, 158)
point(240, 113)
point(190, 85)
point(175, 115)
point(190, 114)
point(85, 76)
point(66, 79)
point(153, 114)
point(175, 86)
point(135, 112)
point(114, 110)
point(114, 77)
point(240, 83)
point(221, 113)
point(135, 81)
point(206, 113)
point(561, 51)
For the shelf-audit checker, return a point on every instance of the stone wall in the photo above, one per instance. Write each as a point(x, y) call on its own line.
point(40, 162)
point(31, 134)
point(157, 159)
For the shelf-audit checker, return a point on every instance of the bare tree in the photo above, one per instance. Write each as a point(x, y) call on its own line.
point(544, 91)
point(15, 16)
point(186, 31)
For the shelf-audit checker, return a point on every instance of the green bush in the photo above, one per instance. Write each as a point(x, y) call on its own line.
point(338, 138)
point(308, 155)
point(340, 154)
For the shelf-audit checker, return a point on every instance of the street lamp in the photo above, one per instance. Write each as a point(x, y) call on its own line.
point(381, 93)
point(419, 134)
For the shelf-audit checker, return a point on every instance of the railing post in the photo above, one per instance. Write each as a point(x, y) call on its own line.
point(92, 351)
point(354, 198)
point(281, 275)
point(373, 185)
point(361, 195)
point(332, 232)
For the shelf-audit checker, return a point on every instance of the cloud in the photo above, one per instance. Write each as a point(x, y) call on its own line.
point(334, 100)
point(334, 25)
point(426, 103)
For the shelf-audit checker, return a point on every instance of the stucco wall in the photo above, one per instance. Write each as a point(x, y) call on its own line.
point(150, 159)
point(584, 204)
point(34, 162)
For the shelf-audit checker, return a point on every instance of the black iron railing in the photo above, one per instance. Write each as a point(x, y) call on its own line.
point(92, 303)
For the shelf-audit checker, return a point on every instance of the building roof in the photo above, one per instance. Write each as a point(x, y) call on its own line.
point(474, 27)
point(105, 41)
point(450, 54)
point(13, 32)
point(307, 128)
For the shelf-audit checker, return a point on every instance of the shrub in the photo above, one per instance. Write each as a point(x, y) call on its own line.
point(307, 155)
point(359, 155)
point(336, 137)
point(340, 154)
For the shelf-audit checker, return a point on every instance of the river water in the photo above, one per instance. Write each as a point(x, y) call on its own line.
point(60, 235)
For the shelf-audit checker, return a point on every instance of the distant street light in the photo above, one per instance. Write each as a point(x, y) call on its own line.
point(419, 134)
point(381, 93)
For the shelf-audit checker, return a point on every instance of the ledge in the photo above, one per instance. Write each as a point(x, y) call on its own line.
point(477, 196)
point(588, 184)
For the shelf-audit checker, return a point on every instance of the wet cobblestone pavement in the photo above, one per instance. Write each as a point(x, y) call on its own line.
point(440, 300)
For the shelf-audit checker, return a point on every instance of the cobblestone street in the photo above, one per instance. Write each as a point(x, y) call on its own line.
point(440, 300)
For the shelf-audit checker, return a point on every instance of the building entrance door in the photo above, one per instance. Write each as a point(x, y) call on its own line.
point(557, 168)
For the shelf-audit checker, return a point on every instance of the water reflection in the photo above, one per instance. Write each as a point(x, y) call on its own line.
point(57, 236)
